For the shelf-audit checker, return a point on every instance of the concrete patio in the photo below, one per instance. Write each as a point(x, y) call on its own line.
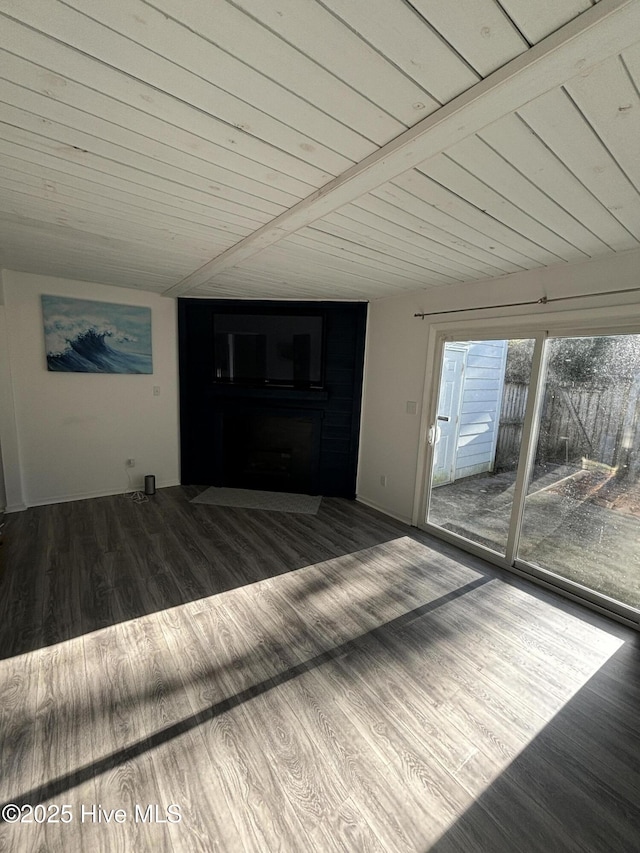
point(568, 529)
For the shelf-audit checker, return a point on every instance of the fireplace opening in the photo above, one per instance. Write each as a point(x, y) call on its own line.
point(276, 453)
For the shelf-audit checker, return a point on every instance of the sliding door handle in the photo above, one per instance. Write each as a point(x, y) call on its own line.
point(433, 435)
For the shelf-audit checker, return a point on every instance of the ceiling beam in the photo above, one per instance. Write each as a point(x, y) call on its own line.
point(598, 33)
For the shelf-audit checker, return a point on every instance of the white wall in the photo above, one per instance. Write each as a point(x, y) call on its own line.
point(3, 352)
point(11, 475)
point(73, 431)
point(397, 348)
point(3, 492)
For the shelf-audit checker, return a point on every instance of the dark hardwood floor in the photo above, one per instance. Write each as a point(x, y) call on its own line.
point(338, 682)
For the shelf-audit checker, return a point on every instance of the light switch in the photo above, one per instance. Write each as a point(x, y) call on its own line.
point(411, 407)
point(156, 390)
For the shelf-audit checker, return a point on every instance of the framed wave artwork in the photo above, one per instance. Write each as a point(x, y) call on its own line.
point(83, 336)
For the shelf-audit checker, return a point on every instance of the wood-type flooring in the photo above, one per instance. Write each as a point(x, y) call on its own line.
point(286, 682)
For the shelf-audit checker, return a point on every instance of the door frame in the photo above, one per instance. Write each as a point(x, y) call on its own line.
point(591, 320)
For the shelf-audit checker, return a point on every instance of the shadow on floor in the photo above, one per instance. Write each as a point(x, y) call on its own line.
point(56, 787)
point(538, 802)
point(73, 568)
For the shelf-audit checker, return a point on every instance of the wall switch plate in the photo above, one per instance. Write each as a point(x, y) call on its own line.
point(130, 463)
point(412, 407)
point(383, 479)
point(156, 390)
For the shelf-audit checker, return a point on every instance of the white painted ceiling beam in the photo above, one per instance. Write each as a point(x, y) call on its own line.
point(600, 32)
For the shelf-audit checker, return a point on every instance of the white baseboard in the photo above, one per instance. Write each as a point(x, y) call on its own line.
point(15, 508)
point(83, 496)
point(373, 505)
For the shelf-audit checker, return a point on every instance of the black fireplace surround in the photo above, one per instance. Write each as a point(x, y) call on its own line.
point(284, 436)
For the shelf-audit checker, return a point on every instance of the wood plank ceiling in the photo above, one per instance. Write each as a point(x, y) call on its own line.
point(316, 148)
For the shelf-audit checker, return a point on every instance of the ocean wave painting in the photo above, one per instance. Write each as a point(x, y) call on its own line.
point(83, 336)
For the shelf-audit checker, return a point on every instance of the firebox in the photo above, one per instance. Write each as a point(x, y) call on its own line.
point(269, 451)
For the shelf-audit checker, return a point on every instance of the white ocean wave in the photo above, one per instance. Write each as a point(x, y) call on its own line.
point(61, 332)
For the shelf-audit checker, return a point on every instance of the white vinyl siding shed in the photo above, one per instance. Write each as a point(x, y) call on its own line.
point(479, 407)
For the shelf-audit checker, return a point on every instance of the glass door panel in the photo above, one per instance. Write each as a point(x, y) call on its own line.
point(479, 423)
point(581, 516)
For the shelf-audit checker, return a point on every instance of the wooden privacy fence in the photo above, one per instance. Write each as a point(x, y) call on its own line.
point(514, 401)
point(600, 424)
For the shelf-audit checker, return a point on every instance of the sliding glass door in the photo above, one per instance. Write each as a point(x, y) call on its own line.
point(536, 458)
point(581, 516)
point(484, 388)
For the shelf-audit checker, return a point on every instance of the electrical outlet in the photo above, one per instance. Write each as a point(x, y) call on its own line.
point(130, 463)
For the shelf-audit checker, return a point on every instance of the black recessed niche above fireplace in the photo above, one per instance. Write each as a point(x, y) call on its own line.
point(258, 350)
point(270, 394)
